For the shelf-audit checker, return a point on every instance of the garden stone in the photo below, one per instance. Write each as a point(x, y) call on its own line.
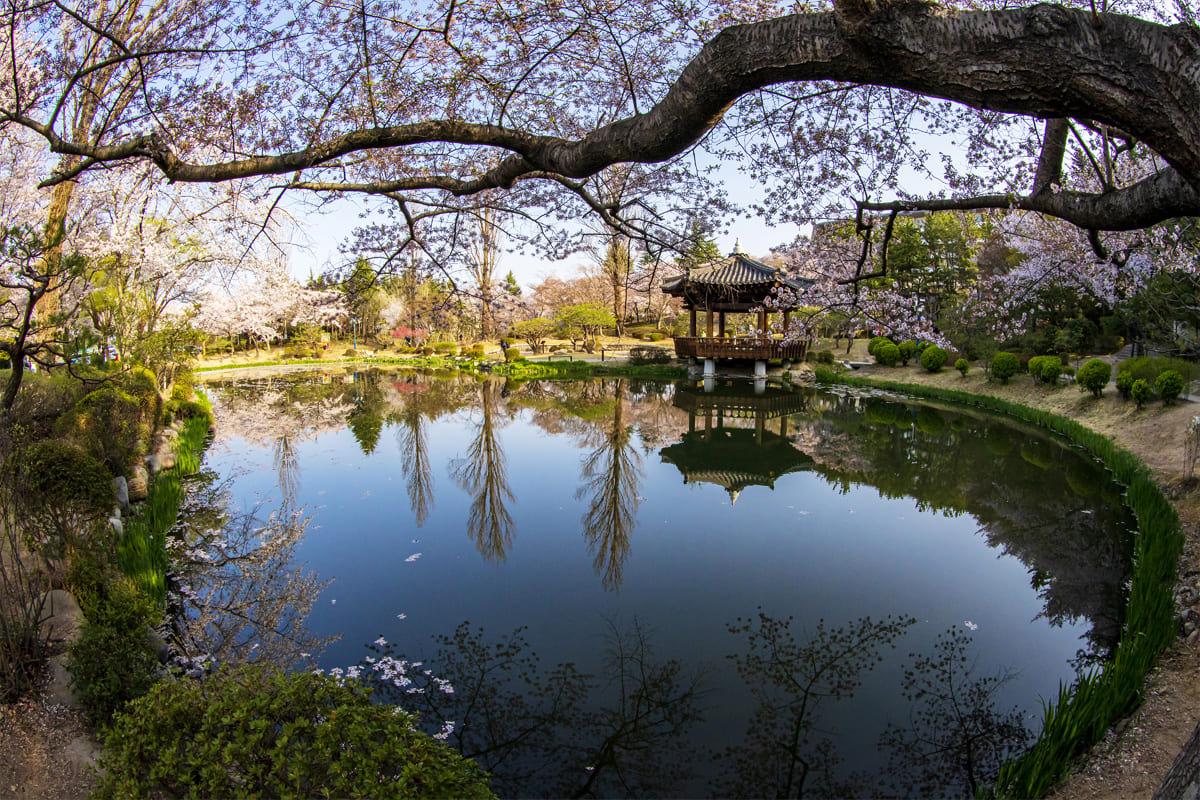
point(62, 619)
point(121, 490)
point(139, 483)
point(117, 526)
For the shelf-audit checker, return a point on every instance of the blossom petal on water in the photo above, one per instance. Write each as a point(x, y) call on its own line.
point(412, 558)
point(970, 625)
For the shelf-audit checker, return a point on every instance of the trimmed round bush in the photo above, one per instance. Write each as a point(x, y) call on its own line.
point(887, 354)
point(963, 366)
point(825, 357)
point(1093, 376)
point(874, 344)
point(908, 349)
point(1124, 383)
point(245, 733)
point(1140, 392)
point(1034, 367)
point(1051, 368)
point(933, 358)
point(512, 354)
point(1004, 366)
point(1169, 385)
point(655, 337)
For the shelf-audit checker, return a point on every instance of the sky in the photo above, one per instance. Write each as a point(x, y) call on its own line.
point(324, 232)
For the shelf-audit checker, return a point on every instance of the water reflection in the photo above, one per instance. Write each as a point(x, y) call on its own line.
point(552, 732)
point(595, 465)
point(736, 457)
point(1055, 511)
point(612, 475)
point(789, 748)
point(483, 474)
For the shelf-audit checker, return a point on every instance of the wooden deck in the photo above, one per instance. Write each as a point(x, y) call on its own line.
point(751, 349)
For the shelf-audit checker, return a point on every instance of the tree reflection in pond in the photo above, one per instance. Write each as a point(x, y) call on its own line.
point(956, 740)
point(555, 732)
point(483, 474)
point(787, 751)
point(612, 473)
point(238, 595)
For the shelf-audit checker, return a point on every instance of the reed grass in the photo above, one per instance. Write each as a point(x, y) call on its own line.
point(141, 549)
point(1081, 714)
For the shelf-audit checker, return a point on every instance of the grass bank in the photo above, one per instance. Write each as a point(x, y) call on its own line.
point(1082, 713)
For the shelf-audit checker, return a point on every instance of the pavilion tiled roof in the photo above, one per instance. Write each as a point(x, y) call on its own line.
point(735, 270)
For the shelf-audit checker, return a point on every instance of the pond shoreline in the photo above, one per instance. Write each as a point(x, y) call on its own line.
point(1135, 756)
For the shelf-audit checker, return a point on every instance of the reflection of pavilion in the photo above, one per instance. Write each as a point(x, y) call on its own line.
point(736, 457)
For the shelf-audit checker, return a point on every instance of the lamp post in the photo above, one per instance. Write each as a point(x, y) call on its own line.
point(354, 333)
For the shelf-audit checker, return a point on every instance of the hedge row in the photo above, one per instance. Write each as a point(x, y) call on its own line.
point(1083, 713)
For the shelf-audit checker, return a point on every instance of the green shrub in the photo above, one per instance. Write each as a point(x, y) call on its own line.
point(1051, 368)
point(1093, 376)
point(184, 410)
point(1169, 385)
point(933, 358)
point(513, 354)
point(1004, 366)
point(109, 424)
point(508, 342)
point(963, 366)
point(1034, 367)
point(249, 734)
point(1148, 368)
point(874, 344)
point(59, 495)
point(445, 347)
point(115, 659)
point(1140, 392)
point(908, 349)
point(1124, 382)
point(825, 357)
point(655, 337)
point(887, 354)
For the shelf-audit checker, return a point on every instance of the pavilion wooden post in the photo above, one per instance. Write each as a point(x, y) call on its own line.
point(762, 323)
point(787, 317)
point(721, 324)
point(692, 323)
point(710, 323)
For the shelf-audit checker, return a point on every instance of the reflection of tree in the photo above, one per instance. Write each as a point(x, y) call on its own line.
point(612, 474)
point(641, 750)
point(365, 420)
point(784, 753)
point(957, 740)
point(554, 732)
point(413, 441)
point(1035, 499)
point(287, 465)
point(240, 597)
point(483, 473)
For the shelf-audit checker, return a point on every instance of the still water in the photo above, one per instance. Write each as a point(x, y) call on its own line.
point(645, 589)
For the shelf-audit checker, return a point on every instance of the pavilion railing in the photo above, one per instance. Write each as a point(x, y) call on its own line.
point(751, 348)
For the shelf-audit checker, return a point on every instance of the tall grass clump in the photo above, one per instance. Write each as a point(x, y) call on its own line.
point(1081, 714)
point(141, 548)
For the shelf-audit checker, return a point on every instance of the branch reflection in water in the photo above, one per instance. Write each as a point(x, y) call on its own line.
point(238, 595)
point(554, 732)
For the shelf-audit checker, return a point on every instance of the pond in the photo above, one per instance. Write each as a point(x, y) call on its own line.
point(620, 588)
